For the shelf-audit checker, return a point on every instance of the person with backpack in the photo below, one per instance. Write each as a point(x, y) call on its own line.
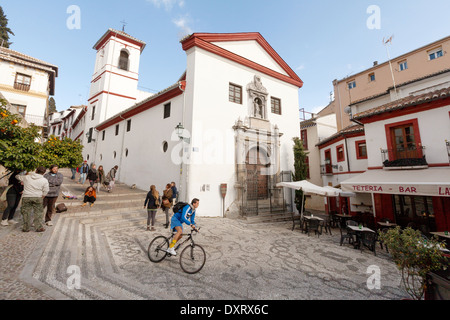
point(111, 178)
point(152, 203)
point(183, 213)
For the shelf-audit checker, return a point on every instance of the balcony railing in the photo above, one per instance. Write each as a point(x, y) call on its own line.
point(327, 169)
point(36, 120)
point(21, 86)
point(413, 156)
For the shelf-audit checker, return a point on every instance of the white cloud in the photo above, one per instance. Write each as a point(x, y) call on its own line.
point(299, 68)
point(168, 4)
point(183, 24)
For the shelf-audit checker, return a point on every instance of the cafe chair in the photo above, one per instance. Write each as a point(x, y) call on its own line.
point(368, 240)
point(314, 225)
point(296, 219)
point(346, 235)
point(326, 224)
point(381, 242)
point(352, 223)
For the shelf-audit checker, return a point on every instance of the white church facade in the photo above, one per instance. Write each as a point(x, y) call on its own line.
point(230, 119)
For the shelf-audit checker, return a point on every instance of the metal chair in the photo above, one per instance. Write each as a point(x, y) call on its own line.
point(326, 223)
point(368, 240)
point(345, 235)
point(313, 225)
point(296, 219)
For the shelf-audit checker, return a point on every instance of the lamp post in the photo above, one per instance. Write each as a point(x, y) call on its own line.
point(179, 129)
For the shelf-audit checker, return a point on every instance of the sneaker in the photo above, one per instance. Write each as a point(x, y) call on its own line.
point(12, 221)
point(84, 205)
point(148, 228)
point(171, 251)
point(153, 229)
point(40, 230)
point(5, 223)
point(49, 223)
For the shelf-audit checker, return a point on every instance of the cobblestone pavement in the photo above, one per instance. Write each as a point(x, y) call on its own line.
point(108, 245)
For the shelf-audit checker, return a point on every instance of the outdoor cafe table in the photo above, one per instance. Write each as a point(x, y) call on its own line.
point(358, 232)
point(387, 225)
point(312, 217)
point(441, 234)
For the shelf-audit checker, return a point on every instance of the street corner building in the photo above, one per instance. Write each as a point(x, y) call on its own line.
point(223, 131)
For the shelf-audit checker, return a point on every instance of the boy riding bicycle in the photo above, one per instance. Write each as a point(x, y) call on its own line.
point(187, 216)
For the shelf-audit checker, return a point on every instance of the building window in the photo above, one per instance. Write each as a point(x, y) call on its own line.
point(126, 152)
point(117, 130)
point(93, 113)
point(114, 155)
point(103, 135)
point(403, 65)
point(351, 84)
point(22, 82)
point(91, 130)
point(436, 53)
point(276, 105)
point(128, 125)
point(361, 149)
point(328, 162)
point(371, 77)
point(235, 93)
point(20, 109)
point(167, 108)
point(308, 175)
point(340, 153)
point(304, 134)
point(403, 140)
point(124, 60)
point(59, 130)
point(165, 146)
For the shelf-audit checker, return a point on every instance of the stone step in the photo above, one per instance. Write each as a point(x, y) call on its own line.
point(269, 218)
point(101, 201)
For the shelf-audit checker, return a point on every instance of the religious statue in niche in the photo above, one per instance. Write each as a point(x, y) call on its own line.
point(258, 95)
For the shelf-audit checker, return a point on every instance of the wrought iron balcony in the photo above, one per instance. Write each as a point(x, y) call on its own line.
point(21, 86)
point(413, 156)
point(327, 169)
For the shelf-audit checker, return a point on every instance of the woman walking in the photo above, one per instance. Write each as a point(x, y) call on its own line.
point(111, 178)
point(89, 196)
point(92, 175)
point(101, 177)
point(166, 207)
point(152, 203)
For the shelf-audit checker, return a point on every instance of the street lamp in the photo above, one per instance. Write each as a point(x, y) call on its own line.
point(180, 131)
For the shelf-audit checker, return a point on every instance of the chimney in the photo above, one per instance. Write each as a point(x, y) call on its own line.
point(375, 63)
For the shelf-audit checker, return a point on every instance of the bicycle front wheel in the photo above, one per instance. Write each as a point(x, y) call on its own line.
point(192, 259)
point(157, 249)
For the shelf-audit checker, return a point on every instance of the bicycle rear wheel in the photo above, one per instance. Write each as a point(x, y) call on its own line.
point(157, 249)
point(192, 259)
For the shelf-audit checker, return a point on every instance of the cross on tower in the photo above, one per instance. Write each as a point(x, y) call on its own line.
point(124, 23)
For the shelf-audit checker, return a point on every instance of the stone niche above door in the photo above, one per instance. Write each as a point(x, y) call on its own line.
point(257, 104)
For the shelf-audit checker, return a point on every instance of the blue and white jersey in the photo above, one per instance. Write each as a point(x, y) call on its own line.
point(187, 215)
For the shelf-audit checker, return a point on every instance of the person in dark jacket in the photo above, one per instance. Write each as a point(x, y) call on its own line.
point(174, 193)
point(152, 203)
point(84, 169)
point(55, 180)
point(13, 197)
point(92, 175)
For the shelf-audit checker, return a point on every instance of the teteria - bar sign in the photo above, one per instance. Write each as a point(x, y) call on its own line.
point(419, 190)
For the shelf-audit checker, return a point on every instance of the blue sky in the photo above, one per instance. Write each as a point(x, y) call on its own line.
point(320, 40)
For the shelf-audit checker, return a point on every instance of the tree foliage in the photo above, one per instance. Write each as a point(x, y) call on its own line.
point(301, 169)
point(4, 30)
point(52, 105)
point(20, 150)
point(415, 256)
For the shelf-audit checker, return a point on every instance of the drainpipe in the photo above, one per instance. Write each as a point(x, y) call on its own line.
point(121, 148)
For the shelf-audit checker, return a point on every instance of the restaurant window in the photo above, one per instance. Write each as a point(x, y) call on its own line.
point(340, 153)
point(276, 105)
point(361, 149)
point(304, 136)
point(414, 211)
point(22, 82)
point(235, 93)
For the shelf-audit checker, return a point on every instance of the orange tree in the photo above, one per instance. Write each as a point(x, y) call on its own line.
point(20, 150)
point(64, 153)
point(18, 147)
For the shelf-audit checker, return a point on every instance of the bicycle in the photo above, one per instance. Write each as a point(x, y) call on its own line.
point(192, 258)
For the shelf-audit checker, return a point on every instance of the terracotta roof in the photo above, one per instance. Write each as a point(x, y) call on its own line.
point(405, 103)
point(308, 123)
point(119, 33)
point(354, 128)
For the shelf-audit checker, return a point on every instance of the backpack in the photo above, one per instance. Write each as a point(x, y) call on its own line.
point(179, 206)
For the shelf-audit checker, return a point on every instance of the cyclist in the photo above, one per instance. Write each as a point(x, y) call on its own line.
point(187, 216)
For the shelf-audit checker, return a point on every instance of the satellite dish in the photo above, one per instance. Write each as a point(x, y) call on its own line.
point(348, 110)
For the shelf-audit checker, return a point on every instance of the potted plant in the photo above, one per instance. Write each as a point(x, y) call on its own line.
point(415, 256)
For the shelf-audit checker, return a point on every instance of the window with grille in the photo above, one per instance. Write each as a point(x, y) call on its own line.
point(276, 105)
point(235, 93)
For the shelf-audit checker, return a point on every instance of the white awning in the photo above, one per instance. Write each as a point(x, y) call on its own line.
point(309, 188)
point(434, 182)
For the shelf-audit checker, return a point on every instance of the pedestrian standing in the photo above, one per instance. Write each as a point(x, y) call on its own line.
point(84, 169)
point(92, 175)
point(13, 196)
point(166, 207)
point(55, 180)
point(35, 188)
point(74, 173)
point(174, 192)
point(101, 177)
point(111, 178)
point(152, 203)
